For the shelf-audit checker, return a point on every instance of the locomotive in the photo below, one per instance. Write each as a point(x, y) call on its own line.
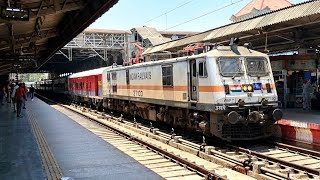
point(228, 92)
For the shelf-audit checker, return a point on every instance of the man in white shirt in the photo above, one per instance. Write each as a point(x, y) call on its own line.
point(13, 97)
point(307, 91)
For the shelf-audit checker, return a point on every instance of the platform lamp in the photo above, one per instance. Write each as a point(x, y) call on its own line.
point(14, 13)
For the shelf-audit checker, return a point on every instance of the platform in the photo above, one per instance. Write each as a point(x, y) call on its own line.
point(300, 125)
point(19, 153)
point(301, 115)
point(65, 148)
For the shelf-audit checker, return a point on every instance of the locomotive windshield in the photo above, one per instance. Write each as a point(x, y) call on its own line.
point(230, 67)
point(256, 66)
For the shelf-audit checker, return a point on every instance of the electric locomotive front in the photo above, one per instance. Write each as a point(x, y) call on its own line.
point(247, 107)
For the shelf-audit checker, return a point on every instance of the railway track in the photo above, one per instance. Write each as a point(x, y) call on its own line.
point(168, 162)
point(280, 160)
point(287, 157)
point(260, 161)
point(155, 160)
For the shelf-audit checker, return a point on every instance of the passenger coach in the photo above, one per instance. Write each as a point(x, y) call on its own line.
point(86, 86)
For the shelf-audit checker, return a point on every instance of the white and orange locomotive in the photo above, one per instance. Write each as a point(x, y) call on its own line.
point(228, 92)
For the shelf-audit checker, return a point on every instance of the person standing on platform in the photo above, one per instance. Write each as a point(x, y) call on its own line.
point(2, 94)
point(13, 96)
point(31, 90)
point(25, 95)
point(8, 87)
point(20, 96)
point(307, 90)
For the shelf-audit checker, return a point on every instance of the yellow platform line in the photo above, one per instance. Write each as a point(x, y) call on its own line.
point(49, 163)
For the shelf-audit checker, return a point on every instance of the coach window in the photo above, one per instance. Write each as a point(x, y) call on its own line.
point(127, 77)
point(114, 88)
point(167, 78)
point(203, 69)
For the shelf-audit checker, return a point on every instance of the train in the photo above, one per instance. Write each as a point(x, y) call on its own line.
point(227, 92)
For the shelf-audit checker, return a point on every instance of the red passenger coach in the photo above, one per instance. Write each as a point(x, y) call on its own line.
point(86, 86)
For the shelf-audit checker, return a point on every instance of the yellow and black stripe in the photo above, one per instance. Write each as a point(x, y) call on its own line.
point(49, 163)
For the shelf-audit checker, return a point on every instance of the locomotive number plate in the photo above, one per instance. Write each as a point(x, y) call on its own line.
point(220, 108)
point(137, 93)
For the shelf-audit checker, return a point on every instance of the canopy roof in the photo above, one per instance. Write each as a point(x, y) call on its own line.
point(286, 29)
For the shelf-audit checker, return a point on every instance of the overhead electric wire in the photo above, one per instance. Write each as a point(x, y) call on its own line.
point(168, 12)
point(232, 3)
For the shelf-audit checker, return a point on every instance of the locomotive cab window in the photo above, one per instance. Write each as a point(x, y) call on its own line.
point(108, 77)
point(114, 76)
point(202, 69)
point(256, 66)
point(230, 67)
point(167, 78)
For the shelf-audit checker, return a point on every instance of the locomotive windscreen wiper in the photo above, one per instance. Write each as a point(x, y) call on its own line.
point(237, 72)
point(256, 67)
point(229, 67)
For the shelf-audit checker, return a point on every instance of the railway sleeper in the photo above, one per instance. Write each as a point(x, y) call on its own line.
point(257, 166)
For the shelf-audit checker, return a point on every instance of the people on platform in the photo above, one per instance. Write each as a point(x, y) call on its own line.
point(20, 95)
point(306, 93)
point(31, 91)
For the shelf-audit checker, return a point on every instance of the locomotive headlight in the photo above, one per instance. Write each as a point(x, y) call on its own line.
point(250, 88)
point(245, 88)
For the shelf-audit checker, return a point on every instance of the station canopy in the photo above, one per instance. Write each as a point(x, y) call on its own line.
point(31, 31)
point(283, 30)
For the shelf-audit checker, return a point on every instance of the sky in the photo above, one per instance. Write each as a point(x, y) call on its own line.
point(171, 15)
